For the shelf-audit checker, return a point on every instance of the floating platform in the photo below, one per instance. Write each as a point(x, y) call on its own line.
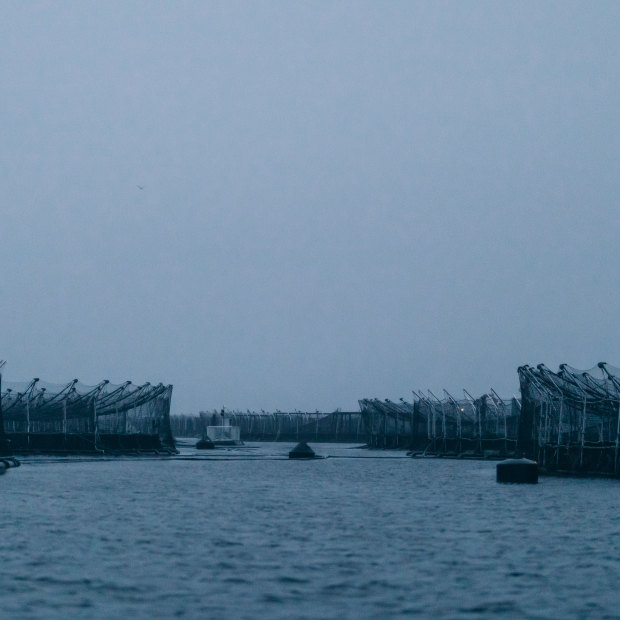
point(224, 435)
point(87, 443)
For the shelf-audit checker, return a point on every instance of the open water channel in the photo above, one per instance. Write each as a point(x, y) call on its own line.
point(246, 533)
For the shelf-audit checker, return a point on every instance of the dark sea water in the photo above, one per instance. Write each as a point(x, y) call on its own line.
point(246, 533)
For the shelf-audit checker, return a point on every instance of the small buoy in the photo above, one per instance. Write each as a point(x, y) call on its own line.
point(301, 451)
point(517, 470)
point(205, 444)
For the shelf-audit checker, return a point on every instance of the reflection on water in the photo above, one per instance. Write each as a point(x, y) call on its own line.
point(245, 532)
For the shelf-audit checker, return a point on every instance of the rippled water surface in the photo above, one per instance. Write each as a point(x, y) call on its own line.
point(246, 533)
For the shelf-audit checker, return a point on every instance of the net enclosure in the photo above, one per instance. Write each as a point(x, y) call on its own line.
point(570, 419)
point(335, 426)
point(41, 416)
point(444, 425)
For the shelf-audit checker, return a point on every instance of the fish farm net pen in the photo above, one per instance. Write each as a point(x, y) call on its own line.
point(42, 417)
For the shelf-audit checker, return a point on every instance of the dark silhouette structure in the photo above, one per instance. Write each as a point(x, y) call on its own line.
point(73, 417)
point(570, 419)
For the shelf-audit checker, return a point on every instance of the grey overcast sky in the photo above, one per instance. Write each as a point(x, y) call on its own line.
point(340, 199)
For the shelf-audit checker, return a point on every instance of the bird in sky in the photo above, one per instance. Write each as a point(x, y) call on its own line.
point(140, 186)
